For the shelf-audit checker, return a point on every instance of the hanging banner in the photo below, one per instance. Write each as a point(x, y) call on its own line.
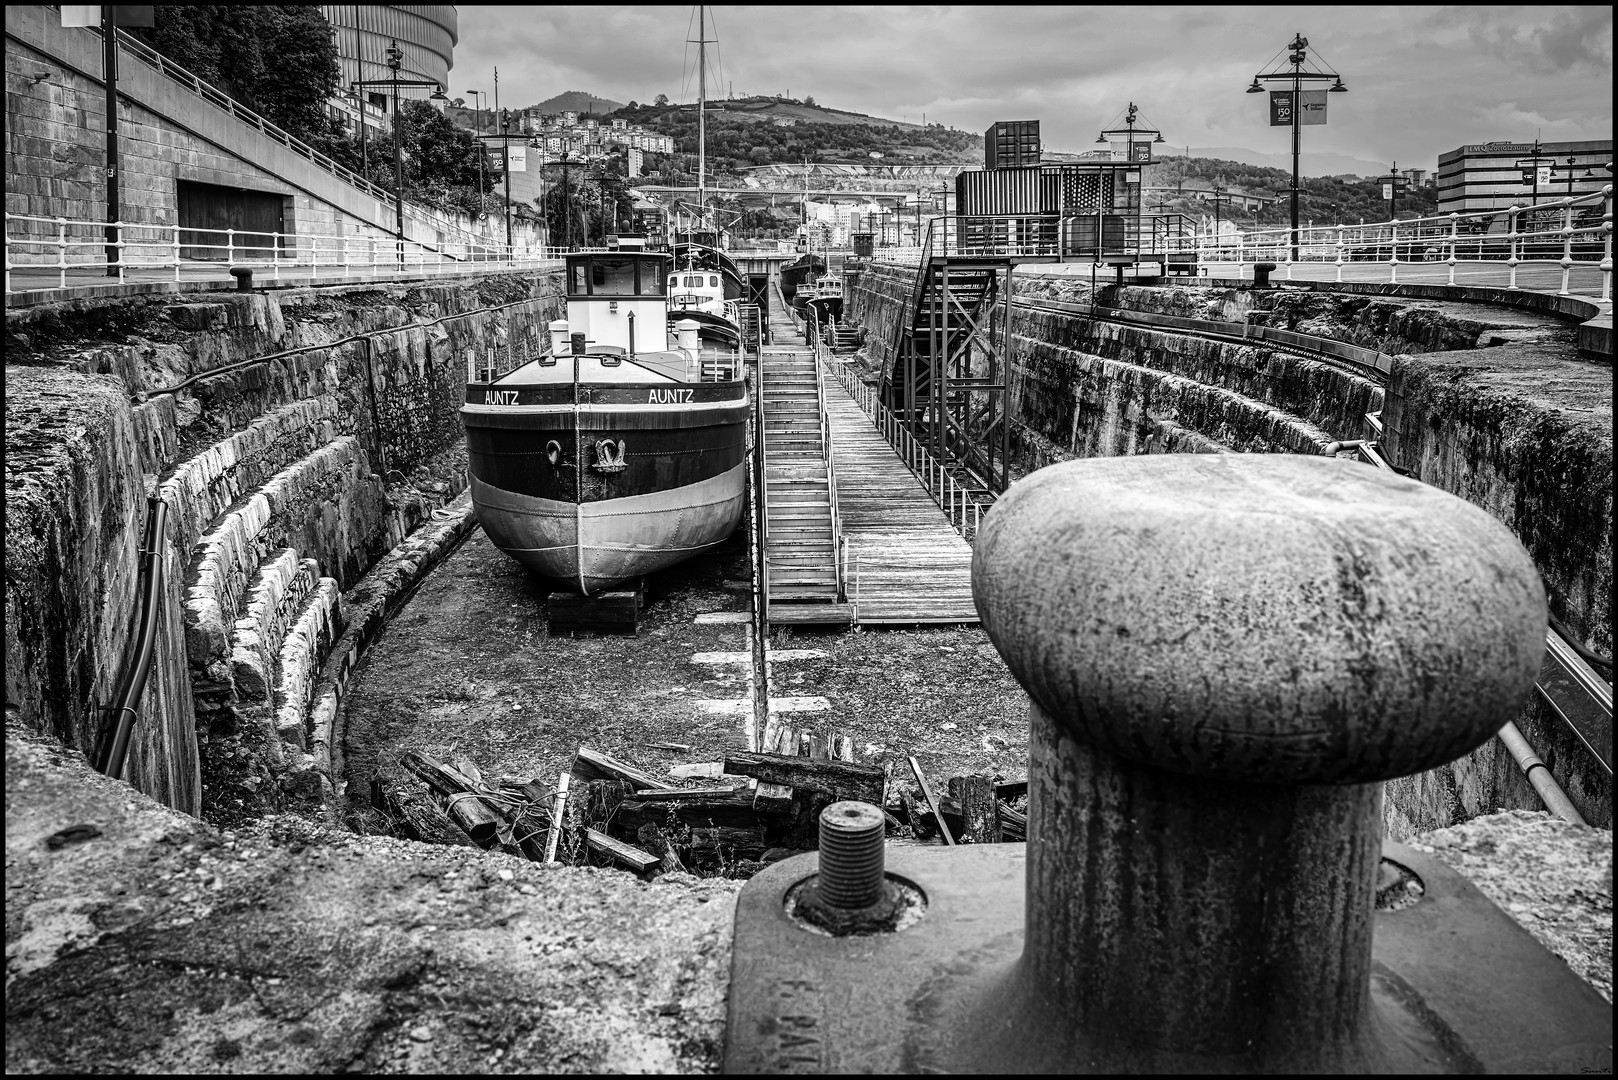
point(517, 157)
point(1313, 104)
point(1280, 108)
point(1387, 191)
point(1142, 152)
point(1544, 178)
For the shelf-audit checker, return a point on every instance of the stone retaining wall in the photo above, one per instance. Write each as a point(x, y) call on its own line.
point(1522, 428)
point(290, 452)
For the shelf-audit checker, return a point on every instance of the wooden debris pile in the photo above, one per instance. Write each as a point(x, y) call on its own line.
point(751, 810)
point(975, 809)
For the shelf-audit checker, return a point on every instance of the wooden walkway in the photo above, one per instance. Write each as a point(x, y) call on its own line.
point(906, 564)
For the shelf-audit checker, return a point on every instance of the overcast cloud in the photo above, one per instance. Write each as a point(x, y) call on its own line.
point(1422, 80)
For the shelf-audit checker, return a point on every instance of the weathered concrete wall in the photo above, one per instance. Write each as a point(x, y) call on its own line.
point(1527, 436)
point(286, 455)
point(56, 150)
point(75, 523)
point(1490, 404)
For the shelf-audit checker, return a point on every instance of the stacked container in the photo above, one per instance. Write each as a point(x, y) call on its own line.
point(1011, 144)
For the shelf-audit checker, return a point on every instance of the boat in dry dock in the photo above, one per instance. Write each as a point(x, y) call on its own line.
point(618, 453)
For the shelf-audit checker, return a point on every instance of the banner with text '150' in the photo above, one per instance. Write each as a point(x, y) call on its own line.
point(1280, 108)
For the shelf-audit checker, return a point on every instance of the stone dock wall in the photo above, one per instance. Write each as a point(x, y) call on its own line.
point(1509, 420)
point(286, 481)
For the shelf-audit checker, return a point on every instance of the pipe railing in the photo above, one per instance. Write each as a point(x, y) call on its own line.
point(1567, 233)
point(823, 357)
point(958, 501)
point(132, 685)
point(73, 245)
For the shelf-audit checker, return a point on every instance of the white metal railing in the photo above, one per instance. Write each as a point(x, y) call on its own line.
point(44, 251)
point(1566, 234)
point(959, 503)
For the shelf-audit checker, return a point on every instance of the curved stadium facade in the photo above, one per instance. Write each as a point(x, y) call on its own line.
point(426, 33)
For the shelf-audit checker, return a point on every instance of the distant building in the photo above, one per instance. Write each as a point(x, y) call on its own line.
point(1487, 176)
point(426, 34)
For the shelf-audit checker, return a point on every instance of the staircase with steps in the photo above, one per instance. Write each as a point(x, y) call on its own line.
point(933, 310)
point(800, 529)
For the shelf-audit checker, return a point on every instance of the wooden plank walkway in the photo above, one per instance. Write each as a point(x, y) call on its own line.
point(906, 564)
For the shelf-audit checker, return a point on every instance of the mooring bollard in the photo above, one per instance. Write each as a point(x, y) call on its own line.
point(1225, 656)
point(1261, 274)
point(244, 278)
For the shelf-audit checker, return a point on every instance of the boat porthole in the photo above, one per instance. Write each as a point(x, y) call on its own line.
point(553, 450)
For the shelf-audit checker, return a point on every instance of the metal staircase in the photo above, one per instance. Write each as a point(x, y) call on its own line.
point(948, 379)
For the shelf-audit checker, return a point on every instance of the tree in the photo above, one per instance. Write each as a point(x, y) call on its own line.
point(278, 60)
point(661, 99)
point(809, 100)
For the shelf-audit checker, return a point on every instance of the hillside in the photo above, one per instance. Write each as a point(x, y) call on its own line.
point(1324, 200)
point(770, 131)
point(579, 100)
point(1310, 163)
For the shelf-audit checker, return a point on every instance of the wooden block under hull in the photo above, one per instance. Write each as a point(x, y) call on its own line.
point(615, 612)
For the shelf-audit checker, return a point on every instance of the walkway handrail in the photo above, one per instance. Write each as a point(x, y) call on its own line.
point(761, 506)
point(950, 496)
point(1567, 232)
point(822, 355)
point(80, 244)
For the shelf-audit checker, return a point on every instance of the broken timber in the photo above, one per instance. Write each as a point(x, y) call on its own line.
point(838, 779)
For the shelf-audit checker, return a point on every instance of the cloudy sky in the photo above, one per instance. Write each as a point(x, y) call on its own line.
point(1422, 80)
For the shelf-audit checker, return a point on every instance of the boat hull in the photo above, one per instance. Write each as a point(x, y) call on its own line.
point(600, 491)
point(590, 547)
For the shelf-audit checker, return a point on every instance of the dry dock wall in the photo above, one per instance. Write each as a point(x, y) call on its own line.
point(280, 476)
point(1522, 428)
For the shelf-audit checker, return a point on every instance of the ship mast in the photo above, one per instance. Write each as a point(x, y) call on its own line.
point(702, 114)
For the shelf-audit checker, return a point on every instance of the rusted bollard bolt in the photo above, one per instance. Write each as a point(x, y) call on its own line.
point(244, 278)
point(851, 893)
point(1226, 655)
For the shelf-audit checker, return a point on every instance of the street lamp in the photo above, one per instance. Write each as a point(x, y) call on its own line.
point(1128, 131)
point(395, 59)
point(1393, 182)
point(1296, 77)
point(478, 97)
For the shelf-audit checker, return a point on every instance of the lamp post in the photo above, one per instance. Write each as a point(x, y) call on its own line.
point(477, 131)
point(1128, 131)
point(395, 60)
point(1296, 77)
point(1393, 182)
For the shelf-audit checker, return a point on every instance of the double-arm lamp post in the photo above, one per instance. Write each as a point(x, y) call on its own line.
point(1296, 78)
point(395, 59)
point(1129, 131)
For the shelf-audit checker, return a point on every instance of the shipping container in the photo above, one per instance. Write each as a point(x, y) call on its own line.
point(1011, 144)
point(1007, 191)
